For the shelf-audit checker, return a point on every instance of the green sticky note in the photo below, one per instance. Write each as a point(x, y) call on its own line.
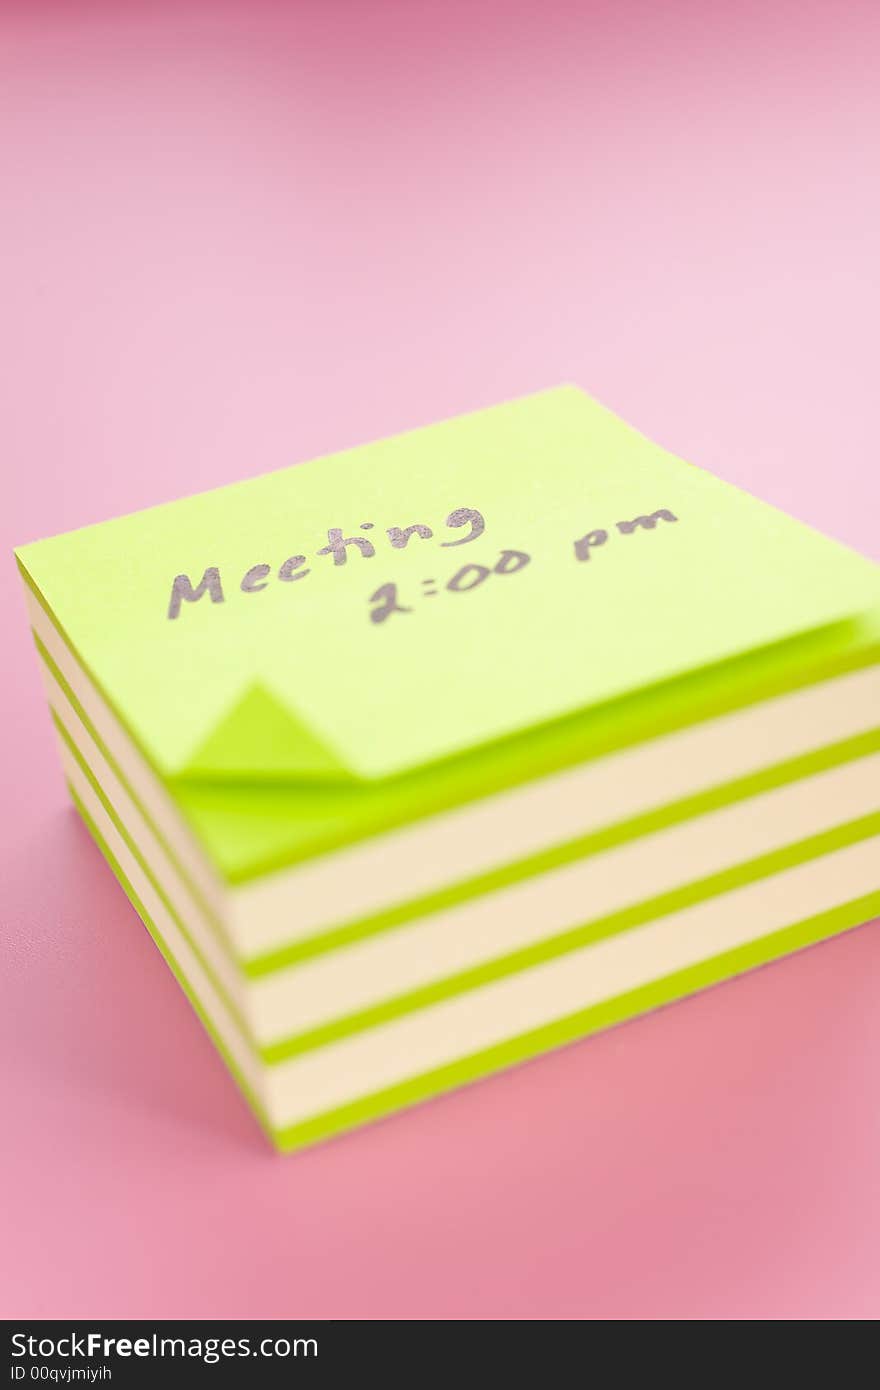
point(364, 615)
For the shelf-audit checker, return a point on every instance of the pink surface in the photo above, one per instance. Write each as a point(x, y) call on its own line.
point(237, 236)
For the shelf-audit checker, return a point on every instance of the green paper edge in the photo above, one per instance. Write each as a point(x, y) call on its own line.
point(121, 828)
point(347, 933)
point(174, 966)
point(571, 1028)
point(575, 1027)
point(449, 986)
point(74, 702)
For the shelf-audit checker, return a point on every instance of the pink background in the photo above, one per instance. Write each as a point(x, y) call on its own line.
point(235, 236)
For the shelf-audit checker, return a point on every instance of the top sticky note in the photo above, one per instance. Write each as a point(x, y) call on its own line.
point(369, 613)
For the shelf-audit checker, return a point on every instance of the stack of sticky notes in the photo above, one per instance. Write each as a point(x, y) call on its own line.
point(426, 757)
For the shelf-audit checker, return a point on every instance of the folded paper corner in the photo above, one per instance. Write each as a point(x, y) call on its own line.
point(260, 739)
